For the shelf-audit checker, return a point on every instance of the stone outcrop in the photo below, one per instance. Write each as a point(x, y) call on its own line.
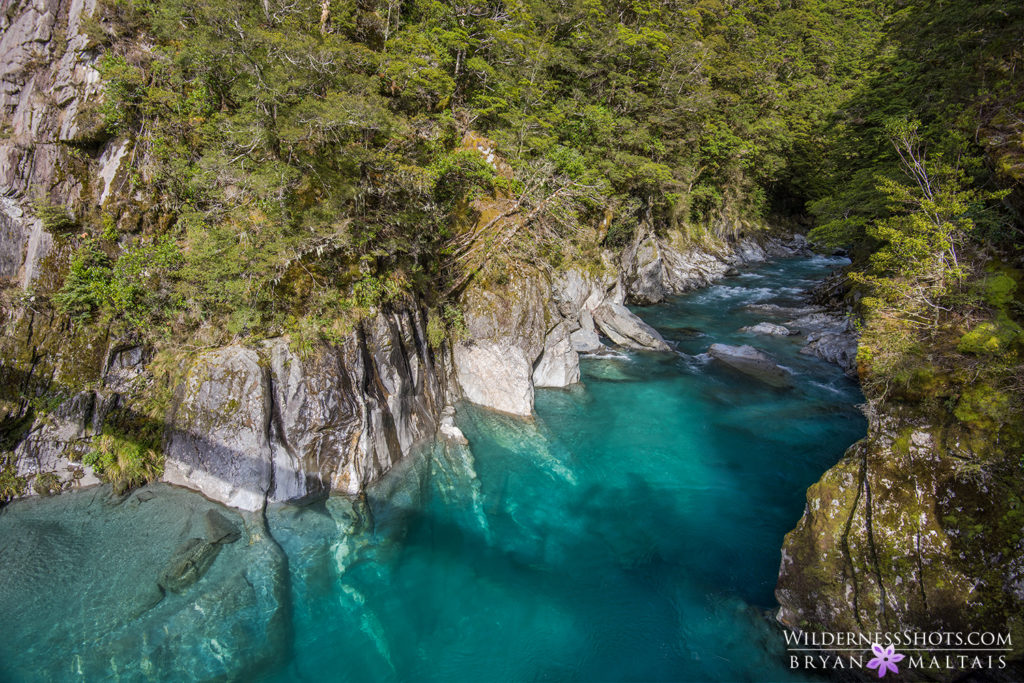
point(654, 268)
point(496, 375)
point(251, 426)
point(625, 329)
point(559, 362)
point(45, 458)
point(769, 329)
point(516, 339)
point(751, 362)
point(830, 338)
point(219, 436)
point(917, 528)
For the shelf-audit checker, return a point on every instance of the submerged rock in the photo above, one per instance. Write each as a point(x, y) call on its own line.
point(624, 328)
point(751, 362)
point(82, 564)
point(219, 529)
point(188, 564)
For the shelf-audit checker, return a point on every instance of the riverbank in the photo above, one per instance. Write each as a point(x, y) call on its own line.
point(631, 529)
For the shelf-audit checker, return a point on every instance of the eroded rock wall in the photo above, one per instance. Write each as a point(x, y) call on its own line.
point(51, 144)
point(916, 528)
point(257, 425)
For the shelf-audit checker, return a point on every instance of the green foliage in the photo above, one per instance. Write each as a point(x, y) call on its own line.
point(445, 323)
point(56, 219)
point(283, 149)
point(132, 290)
point(126, 459)
point(11, 485)
point(461, 175)
point(84, 290)
point(123, 90)
point(918, 263)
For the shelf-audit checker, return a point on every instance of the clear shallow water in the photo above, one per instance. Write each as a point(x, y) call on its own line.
point(630, 532)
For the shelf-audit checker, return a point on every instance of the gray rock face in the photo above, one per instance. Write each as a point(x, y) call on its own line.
point(830, 338)
point(218, 440)
point(520, 336)
point(751, 362)
point(577, 294)
point(495, 374)
point(620, 325)
point(770, 329)
point(559, 363)
point(124, 366)
point(46, 79)
point(44, 457)
point(251, 426)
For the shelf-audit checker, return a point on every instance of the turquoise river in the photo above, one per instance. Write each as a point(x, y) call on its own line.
point(630, 532)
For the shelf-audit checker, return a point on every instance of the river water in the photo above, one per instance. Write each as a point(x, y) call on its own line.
point(630, 532)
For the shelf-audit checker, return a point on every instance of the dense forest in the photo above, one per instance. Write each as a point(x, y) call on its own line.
point(295, 165)
point(305, 161)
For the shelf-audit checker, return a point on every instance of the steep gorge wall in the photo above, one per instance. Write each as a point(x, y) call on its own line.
point(251, 424)
point(49, 141)
point(912, 530)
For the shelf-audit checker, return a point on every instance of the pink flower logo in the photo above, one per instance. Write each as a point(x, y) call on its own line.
point(885, 659)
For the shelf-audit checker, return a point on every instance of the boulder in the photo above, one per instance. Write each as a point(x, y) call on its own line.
point(624, 328)
point(646, 282)
point(751, 362)
point(830, 338)
point(586, 339)
point(839, 348)
point(559, 363)
point(219, 529)
point(450, 431)
point(496, 375)
point(187, 565)
point(770, 329)
point(218, 439)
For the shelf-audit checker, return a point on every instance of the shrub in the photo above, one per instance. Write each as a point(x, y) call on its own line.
point(56, 219)
point(124, 460)
point(84, 289)
point(11, 485)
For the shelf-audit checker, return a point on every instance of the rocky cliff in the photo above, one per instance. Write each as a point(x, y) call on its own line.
point(911, 530)
point(257, 422)
point(256, 425)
